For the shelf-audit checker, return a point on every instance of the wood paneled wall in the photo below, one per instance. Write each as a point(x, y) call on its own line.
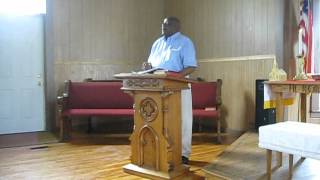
point(238, 76)
point(112, 30)
point(98, 38)
point(118, 33)
point(234, 28)
point(231, 28)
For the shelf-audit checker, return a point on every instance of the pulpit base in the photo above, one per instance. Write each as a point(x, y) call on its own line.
point(152, 174)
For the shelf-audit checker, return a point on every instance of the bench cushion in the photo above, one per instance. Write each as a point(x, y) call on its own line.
point(98, 112)
point(291, 137)
point(205, 113)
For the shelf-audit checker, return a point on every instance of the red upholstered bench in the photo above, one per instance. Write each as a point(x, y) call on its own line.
point(88, 99)
point(105, 98)
point(206, 102)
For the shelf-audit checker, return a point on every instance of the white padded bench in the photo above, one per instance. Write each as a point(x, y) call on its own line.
point(293, 138)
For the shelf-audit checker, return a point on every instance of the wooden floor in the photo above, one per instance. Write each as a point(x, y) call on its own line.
point(93, 157)
point(243, 159)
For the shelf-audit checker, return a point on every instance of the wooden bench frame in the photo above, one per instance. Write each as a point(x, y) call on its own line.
point(65, 120)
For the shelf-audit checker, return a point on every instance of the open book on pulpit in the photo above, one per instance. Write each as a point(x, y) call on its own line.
point(158, 71)
point(150, 71)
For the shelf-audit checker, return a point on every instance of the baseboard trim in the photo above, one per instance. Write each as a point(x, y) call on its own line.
point(27, 139)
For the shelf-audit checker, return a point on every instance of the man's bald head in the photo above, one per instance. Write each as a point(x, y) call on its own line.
point(170, 26)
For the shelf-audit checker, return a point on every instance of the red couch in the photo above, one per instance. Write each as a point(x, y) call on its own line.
point(105, 98)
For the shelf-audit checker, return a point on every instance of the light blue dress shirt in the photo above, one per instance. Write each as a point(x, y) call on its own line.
point(174, 53)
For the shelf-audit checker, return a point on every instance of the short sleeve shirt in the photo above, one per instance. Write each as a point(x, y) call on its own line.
point(174, 53)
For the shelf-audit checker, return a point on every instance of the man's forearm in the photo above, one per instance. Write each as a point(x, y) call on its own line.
point(187, 71)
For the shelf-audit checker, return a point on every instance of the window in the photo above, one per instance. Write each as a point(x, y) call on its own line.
point(22, 7)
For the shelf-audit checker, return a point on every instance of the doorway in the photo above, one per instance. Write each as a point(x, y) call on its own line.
point(21, 73)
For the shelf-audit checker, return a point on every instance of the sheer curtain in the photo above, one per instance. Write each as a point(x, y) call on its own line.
point(315, 102)
point(316, 32)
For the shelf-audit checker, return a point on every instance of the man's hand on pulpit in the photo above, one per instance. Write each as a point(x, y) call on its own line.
point(146, 66)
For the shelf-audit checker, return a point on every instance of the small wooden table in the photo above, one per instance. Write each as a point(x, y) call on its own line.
point(303, 87)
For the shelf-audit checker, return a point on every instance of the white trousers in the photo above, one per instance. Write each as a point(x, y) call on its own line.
point(186, 117)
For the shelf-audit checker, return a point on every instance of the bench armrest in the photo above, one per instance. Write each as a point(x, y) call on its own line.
point(63, 99)
point(218, 95)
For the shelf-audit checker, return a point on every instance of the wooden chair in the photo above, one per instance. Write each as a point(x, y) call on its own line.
point(206, 102)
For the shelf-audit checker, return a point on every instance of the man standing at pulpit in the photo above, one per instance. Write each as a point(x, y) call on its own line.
point(175, 52)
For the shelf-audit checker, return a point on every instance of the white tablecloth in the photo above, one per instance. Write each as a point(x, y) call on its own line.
point(291, 137)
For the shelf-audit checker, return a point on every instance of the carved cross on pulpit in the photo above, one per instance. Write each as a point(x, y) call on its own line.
point(148, 109)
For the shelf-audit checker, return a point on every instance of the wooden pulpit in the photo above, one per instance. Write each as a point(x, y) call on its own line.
point(156, 137)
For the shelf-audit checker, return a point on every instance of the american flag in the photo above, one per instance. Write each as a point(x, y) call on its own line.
point(305, 25)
